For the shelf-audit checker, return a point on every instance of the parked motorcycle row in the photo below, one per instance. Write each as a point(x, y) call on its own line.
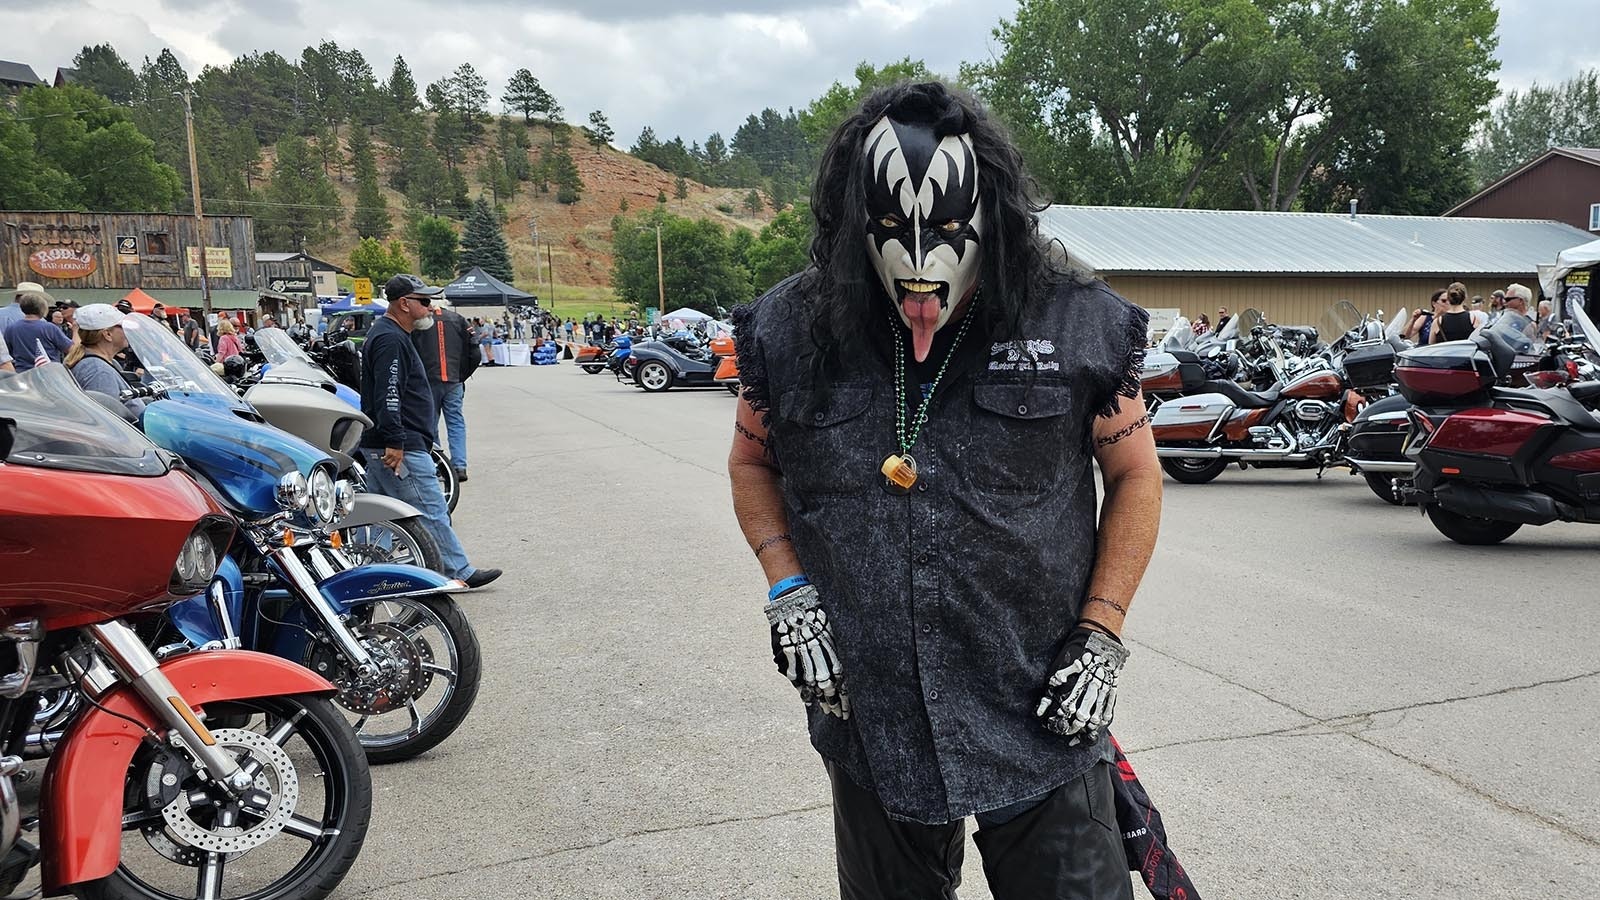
point(210, 630)
point(679, 359)
point(1486, 435)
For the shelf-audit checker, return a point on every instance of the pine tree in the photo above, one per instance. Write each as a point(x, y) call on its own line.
point(523, 94)
point(483, 244)
point(680, 188)
point(402, 87)
point(435, 239)
point(752, 202)
point(371, 219)
point(569, 184)
point(600, 133)
point(304, 204)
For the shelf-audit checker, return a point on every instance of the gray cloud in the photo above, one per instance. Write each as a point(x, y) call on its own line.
point(688, 68)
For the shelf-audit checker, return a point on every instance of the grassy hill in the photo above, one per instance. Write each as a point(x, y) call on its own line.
point(579, 234)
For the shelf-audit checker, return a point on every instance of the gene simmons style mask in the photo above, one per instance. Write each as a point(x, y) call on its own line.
point(924, 225)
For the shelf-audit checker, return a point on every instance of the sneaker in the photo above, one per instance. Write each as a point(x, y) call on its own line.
point(481, 577)
point(461, 476)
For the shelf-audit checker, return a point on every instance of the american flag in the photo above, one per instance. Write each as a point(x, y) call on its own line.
point(40, 358)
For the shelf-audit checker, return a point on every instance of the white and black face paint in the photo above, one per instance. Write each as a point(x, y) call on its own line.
point(924, 224)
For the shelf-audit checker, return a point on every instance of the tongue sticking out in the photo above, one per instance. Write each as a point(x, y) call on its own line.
point(922, 312)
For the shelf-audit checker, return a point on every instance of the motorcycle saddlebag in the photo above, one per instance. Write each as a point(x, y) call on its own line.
point(1370, 366)
point(1443, 372)
point(1191, 418)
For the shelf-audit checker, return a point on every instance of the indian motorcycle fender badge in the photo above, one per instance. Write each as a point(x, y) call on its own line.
point(1010, 356)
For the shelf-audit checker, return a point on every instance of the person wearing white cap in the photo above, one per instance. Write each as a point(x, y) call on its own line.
point(92, 357)
point(13, 313)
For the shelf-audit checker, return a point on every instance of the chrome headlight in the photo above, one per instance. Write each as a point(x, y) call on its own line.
point(322, 504)
point(344, 499)
point(293, 492)
point(197, 562)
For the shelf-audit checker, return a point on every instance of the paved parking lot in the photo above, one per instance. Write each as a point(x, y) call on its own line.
point(1326, 698)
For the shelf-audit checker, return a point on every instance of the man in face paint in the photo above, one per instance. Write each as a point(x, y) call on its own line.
point(924, 224)
point(919, 487)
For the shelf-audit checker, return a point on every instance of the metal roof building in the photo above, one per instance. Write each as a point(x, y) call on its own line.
point(1292, 266)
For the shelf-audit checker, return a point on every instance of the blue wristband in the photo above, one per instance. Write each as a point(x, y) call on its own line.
point(785, 586)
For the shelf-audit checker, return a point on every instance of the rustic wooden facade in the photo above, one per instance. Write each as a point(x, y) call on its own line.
point(100, 256)
point(1290, 300)
point(1562, 184)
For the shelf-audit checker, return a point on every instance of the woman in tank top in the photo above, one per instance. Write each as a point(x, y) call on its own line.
point(1456, 323)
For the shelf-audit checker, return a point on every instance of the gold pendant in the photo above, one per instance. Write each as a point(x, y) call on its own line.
point(901, 470)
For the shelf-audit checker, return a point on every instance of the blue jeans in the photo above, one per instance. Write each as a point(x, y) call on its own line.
point(450, 400)
point(420, 488)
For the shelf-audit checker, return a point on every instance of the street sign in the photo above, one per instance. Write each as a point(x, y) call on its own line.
point(363, 289)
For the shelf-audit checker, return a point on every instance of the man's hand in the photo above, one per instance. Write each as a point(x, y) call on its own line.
point(1082, 693)
point(394, 458)
point(802, 646)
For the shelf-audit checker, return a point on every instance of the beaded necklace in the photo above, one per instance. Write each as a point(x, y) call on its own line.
point(900, 468)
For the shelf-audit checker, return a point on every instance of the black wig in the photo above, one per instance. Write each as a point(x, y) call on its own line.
point(1015, 271)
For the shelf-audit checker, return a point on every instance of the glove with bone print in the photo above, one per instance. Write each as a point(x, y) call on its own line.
point(1082, 693)
point(802, 646)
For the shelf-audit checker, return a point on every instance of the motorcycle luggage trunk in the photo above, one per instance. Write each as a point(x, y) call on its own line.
point(1370, 366)
point(1171, 373)
point(1443, 372)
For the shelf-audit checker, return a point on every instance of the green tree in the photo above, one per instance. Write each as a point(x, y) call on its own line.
point(1528, 123)
point(26, 181)
point(782, 249)
point(825, 114)
point(372, 259)
point(700, 260)
point(435, 239)
point(600, 133)
point(371, 216)
point(483, 244)
point(524, 94)
point(100, 158)
point(753, 203)
point(402, 87)
point(102, 70)
point(680, 188)
point(568, 181)
point(302, 205)
point(427, 180)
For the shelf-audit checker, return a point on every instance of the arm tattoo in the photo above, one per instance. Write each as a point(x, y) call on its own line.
point(1111, 603)
point(1123, 432)
point(772, 541)
point(739, 427)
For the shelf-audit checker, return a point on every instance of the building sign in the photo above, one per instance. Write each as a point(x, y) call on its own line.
point(61, 262)
point(57, 233)
point(363, 290)
point(127, 250)
point(290, 285)
point(219, 262)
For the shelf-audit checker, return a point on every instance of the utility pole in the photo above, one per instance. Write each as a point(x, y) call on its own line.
point(199, 213)
point(661, 279)
point(550, 261)
point(538, 273)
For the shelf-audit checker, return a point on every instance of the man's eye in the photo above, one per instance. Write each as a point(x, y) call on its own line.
point(952, 226)
point(889, 221)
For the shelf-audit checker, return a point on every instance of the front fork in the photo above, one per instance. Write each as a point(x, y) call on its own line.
point(303, 583)
point(136, 665)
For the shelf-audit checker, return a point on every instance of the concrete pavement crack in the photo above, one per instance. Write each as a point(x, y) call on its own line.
point(595, 845)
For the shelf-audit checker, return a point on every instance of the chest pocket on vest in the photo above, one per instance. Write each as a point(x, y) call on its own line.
point(822, 445)
point(1022, 437)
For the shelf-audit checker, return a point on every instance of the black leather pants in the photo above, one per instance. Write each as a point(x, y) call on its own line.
point(1065, 848)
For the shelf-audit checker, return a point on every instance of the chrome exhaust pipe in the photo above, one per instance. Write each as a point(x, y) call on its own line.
point(1405, 467)
point(40, 744)
point(1284, 455)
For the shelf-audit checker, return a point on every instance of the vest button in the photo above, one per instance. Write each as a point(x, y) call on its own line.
point(818, 417)
point(1022, 410)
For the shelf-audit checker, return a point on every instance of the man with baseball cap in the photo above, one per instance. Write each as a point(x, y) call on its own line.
point(396, 396)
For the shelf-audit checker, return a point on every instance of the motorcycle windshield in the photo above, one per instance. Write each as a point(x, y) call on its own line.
point(1248, 320)
point(1340, 319)
point(165, 359)
point(276, 345)
point(58, 426)
point(1586, 329)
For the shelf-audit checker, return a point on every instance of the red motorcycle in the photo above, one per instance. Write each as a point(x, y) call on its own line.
point(1492, 459)
point(207, 774)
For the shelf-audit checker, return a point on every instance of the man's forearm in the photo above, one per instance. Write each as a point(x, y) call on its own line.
point(758, 505)
point(1130, 518)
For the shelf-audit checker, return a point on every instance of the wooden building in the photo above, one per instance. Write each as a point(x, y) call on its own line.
point(1562, 183)
point(100, 257)
point(324, 274)
point(1293, 266)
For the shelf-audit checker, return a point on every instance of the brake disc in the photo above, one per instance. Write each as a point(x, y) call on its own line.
point(402, 677)
point(277, 779)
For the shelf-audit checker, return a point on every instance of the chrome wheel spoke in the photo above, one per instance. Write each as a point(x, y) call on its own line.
point(209, 881)
point(416, 718)
point(302, 827)
point(285, 729)
point(437, 669)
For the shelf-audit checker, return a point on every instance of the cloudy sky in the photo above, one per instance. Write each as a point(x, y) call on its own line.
point(689, 67)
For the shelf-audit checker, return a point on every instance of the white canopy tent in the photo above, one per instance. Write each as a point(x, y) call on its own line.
point(685, 315)
point(1580, 257)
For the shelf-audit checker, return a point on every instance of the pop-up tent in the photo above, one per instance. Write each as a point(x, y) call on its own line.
point(479, 288)
point(1580, 257)
point(685, 314)
point(142, 302)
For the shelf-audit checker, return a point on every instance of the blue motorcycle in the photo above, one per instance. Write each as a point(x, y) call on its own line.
point(389, 637)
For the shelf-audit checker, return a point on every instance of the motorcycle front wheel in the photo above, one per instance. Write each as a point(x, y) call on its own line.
point(400, 541)
point(1470, 530)
point(430, 669)
point(183, 841)
point(1193, 470)
point(449, 483)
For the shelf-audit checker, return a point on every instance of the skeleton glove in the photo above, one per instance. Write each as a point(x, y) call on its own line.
point(1082, 693)
point(802, 646)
